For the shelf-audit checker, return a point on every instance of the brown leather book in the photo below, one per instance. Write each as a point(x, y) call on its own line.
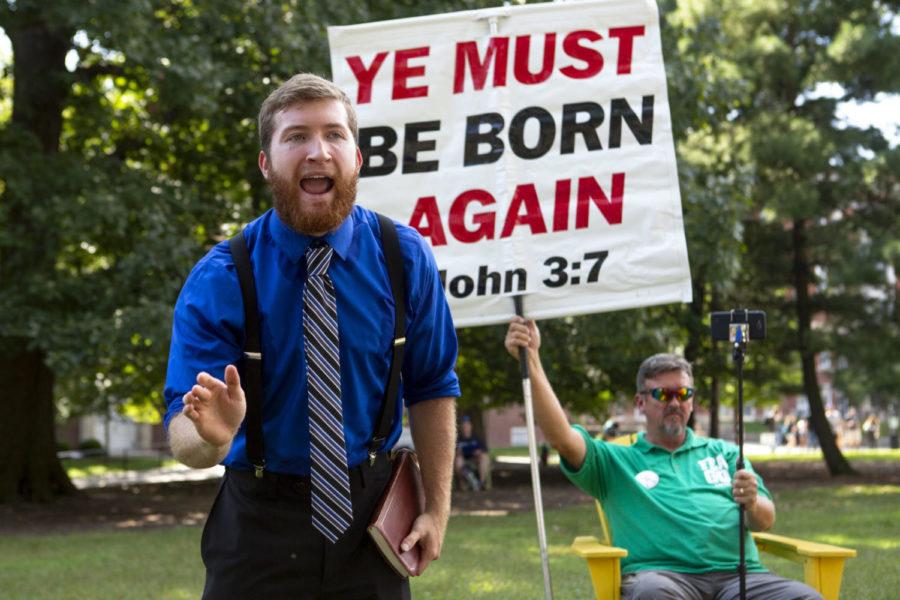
point(403, 501)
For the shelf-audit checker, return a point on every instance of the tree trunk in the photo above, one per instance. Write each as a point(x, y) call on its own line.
point(30, 469)
point(837, 464)
point(40, 78)
point(714, 390)
point(714, 406)
point(696, 332)
point(476, 415)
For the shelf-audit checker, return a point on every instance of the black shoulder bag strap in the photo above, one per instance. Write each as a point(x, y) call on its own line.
point(394, 260)
point(251, 363)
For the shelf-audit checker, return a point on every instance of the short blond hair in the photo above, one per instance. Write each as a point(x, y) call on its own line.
point(299, 89)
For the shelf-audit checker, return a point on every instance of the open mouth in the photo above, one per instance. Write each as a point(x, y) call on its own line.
point(316, 184)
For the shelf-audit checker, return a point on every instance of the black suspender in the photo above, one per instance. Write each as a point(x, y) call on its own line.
point(394, 260)
point(251, 364)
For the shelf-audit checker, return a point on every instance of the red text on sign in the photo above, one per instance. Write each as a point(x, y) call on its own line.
point(473, 218)
point(404, 70)
point(476, 67)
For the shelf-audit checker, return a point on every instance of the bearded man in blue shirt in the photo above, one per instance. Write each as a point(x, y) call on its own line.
point(299, 529)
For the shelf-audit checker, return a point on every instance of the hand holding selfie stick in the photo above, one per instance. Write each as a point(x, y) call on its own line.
point(740, 326)
point(532, 452)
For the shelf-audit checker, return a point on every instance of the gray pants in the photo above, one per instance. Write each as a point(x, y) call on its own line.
point(668, 585)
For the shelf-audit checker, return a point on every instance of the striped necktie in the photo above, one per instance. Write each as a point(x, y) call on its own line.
point(332, 511)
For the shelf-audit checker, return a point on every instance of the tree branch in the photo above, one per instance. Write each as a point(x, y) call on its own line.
point(91, 72)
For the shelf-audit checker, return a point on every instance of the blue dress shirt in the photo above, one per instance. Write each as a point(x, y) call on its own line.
point(208, 332)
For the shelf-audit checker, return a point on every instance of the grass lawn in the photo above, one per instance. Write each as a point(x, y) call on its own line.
point(82, 467)
point(851, 455)
point(160, 564)
point(484, 557)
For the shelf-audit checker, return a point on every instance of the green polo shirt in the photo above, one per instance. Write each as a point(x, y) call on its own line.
point(671, 510)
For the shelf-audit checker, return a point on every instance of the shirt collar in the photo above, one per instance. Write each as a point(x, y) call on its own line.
point(294, 244)
point(690, 441)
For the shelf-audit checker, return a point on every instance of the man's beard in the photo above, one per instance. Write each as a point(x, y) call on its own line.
point(672, 428)
point(285, 196)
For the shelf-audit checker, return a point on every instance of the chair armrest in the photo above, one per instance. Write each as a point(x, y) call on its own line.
point(823, 564)
point(793, 548)
point(603, 565)
point(587, 546)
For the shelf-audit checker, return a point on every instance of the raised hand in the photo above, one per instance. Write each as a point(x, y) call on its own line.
point(216, 408)
point(524, 334)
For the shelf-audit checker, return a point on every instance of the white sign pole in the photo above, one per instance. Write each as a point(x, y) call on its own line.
point(535, 465)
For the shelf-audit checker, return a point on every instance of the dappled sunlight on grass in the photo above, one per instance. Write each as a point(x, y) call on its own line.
point(867, 490)
point(857, 542)
point(487, 513)
point(178, 593)
point(94, 467)
point(559, 549)
point(91, 470)
point(873, 453)
point(803, 455)
point(482, 583)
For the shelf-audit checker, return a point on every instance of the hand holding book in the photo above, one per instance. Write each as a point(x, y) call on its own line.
point(402, 503)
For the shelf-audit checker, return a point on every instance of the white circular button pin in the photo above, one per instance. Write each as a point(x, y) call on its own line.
point(648, 479)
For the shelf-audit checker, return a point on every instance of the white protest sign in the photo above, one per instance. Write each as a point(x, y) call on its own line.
point(531, 146)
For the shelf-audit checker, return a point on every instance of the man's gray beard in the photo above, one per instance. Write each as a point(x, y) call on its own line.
point(673, 429)
point(290, 211)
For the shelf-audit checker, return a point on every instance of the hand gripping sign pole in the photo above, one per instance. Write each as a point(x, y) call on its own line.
point(532, 453)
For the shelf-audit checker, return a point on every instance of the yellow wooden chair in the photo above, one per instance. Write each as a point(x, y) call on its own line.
point(823, 564)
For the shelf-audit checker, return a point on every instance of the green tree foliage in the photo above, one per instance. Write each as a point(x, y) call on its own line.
point(128, 147)
point(129, 150)
point(816, 239)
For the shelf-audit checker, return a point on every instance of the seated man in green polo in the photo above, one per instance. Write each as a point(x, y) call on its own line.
point(670, 497)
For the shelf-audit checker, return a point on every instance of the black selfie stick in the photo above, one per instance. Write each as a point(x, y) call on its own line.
point(736, 327)
point(738, 334)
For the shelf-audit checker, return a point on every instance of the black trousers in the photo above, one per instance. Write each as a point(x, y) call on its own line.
point(258, 542)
